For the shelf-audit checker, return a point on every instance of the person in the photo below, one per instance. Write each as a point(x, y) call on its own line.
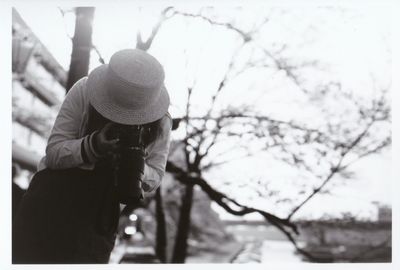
point(71, 209)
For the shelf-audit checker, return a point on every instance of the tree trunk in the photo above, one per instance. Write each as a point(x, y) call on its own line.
point(161, 234)
point(81, 45)
point(180, 249)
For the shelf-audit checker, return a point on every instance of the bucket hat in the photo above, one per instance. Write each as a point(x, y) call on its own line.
point(130, 89)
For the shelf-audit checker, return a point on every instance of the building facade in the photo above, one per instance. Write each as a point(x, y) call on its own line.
point(38, 88)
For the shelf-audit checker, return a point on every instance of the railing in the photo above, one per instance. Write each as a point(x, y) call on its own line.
point(36, 88)
point(25, 158)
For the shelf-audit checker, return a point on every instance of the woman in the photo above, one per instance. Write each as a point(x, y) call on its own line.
point(71, 209)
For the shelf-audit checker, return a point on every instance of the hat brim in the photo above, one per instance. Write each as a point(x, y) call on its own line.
point(99, 98)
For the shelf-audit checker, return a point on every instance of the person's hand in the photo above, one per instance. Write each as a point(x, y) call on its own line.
point(103, 145)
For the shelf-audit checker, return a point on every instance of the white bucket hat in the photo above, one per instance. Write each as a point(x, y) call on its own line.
point(130, 89)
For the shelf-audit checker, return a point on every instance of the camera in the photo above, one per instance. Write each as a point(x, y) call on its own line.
point(129, 162)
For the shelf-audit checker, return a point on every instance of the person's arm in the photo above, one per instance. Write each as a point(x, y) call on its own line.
point(64, 147)
point(156, 160)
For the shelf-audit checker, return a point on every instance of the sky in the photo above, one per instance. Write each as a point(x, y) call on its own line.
point(355, 42)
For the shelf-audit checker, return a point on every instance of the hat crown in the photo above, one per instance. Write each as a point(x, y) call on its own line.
point(134, 78)
point(137, 68)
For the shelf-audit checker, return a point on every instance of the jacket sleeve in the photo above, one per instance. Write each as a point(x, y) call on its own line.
point(156, 160)
point(64, 145)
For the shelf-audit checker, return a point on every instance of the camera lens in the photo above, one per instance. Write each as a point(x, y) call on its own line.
point(130, 164)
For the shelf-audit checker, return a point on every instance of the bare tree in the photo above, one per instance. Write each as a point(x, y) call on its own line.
point(335, 146)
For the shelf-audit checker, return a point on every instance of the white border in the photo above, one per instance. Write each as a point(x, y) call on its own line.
point(5, 135)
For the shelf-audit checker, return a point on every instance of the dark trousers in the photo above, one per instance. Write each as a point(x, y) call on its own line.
point(66, 216)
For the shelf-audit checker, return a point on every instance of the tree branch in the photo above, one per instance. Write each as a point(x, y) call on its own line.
point(101, 59)
point(221, 199)
point(145, 45)
point(245, 36)
point(333, 171)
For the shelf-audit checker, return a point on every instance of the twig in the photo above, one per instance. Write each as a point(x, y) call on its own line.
point(101, 59)
point(333, 171)
point(246, 37)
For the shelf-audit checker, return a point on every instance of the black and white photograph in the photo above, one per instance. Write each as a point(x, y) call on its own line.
point(231, 133)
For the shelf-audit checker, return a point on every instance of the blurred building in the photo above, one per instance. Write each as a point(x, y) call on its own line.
point(384, 213)
point(37, 91)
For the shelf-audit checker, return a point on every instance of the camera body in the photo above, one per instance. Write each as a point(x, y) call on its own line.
point(129, 162)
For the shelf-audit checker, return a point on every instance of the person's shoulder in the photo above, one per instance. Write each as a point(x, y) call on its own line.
point(78, 90)
point(78, 87)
